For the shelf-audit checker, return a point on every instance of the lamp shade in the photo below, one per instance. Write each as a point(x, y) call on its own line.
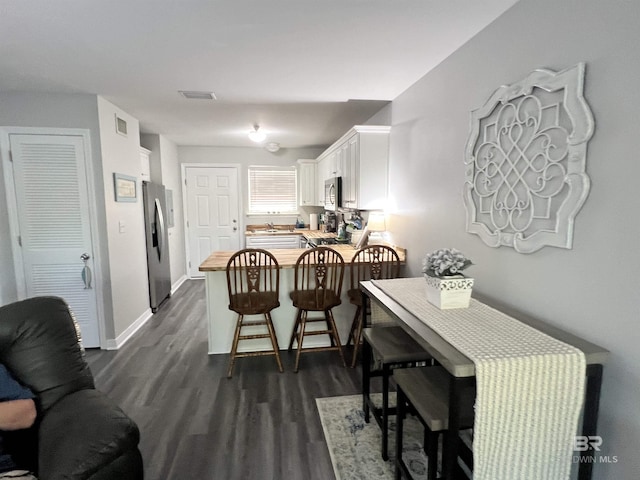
point(376, 222)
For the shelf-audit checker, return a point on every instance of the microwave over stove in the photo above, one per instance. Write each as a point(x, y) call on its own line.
point(333, 193)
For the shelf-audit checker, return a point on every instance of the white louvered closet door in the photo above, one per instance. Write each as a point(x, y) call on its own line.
point(53, 210)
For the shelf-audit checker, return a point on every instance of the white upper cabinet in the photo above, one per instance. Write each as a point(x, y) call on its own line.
point(145, 167)
point(351, 164)
point(341, 153)
point(324, 171)
point(361, 158)
point(333, 160)
point(307, 183)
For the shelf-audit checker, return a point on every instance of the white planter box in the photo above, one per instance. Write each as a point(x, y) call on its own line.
point(452, 292)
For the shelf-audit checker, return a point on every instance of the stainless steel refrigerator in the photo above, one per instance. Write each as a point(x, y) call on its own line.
point(155, 224)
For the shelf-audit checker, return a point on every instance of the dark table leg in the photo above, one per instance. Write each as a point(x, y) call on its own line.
point(366, 363)
point(452, 444)
point(386, 373)
point(452, 435)
point(400, 415)
point(364, 299)
point(590, 419)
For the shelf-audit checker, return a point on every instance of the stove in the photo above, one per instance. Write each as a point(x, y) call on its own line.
point(314, 242)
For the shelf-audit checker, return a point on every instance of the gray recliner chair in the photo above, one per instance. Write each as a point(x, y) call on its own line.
point(80, 433)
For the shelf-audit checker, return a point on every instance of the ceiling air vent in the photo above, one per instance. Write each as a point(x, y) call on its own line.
point(194, 95)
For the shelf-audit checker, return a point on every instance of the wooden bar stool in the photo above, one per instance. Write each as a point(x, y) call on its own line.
point(386, 348)
point(253, 281)
point(424, 392)
point(317, 288)
point(373, 262)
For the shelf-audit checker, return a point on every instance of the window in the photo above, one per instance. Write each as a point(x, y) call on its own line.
point(273, 190)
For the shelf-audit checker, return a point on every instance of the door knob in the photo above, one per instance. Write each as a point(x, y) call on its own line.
point(84, 257)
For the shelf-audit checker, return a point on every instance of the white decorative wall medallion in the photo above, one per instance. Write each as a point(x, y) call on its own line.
point(526, 159)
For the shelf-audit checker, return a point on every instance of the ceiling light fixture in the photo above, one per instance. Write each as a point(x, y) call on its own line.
point(272, 147)
point(256, 136)
point(197, 95)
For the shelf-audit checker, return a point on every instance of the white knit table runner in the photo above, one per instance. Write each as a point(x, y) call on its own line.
point(530, 386)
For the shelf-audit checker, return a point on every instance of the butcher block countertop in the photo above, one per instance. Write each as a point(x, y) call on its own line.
point(255, 230)
point(286, 257)
point(319, 234)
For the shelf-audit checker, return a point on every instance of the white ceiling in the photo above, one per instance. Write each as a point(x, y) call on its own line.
point(304, 70)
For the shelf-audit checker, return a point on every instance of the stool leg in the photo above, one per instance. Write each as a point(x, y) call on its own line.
point(295, 329)
point(274, 340)
point(335, 335)
point(352, 330)
point(329, 328)
point(366, 379)
point(356, 334)
point(303, 324)
point(432, 454)
point(386, 372)
point(234, 345)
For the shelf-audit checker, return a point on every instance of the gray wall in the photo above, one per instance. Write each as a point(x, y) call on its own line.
point(125, 223)
point(588, 290)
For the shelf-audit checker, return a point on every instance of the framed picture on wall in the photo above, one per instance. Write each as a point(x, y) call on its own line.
point(125, 188)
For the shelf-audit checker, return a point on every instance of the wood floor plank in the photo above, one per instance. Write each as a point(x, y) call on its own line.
point(197, 424)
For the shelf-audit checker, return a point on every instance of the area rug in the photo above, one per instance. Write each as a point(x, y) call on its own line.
point(354, 445)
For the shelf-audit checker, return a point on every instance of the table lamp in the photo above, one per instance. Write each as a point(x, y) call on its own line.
point(376, 225)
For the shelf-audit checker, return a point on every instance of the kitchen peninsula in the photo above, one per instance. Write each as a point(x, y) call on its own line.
point(221, 321)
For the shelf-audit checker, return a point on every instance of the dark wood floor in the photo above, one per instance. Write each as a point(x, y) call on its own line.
point(197, 424)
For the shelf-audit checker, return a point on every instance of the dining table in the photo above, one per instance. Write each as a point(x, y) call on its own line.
point(555, 376)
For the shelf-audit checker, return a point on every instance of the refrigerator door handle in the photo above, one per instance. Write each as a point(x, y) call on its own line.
point(160, 223)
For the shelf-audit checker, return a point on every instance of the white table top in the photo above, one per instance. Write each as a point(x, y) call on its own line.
point(446, 354)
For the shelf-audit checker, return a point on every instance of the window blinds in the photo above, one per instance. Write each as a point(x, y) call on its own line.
point(272, 190)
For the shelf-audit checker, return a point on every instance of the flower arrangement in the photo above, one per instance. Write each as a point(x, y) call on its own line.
point(445, 262)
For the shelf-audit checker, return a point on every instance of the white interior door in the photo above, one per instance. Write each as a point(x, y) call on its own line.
point(53, 218)
point(213, 213)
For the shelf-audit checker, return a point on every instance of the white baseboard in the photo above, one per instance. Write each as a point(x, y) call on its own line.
point(129, 332)
point(178, 284)
point(115, 344)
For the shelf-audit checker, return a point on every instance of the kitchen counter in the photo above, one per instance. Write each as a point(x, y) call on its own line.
point(276, 231)
point(254, 230)
point(221, 321)
point(319, 234)
point(286, 257)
